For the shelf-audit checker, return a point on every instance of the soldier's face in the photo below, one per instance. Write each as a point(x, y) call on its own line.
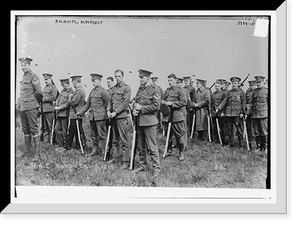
point(47, 81)
point(253, 86)
point(144, 80)
point(217, 87)
point(96, 82)
point(171, 81)
point(259, 84)
point(154, 80)
point(186, 82)
point(179, 83)
point(109, 83)
point(25, 67)
point(119, 77)
point(65, 85)
point(235, 84)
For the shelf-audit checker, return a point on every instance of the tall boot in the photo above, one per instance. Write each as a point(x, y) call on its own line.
point(27, 141)
point(37, 145)
point(181, 149)
point(263, 143)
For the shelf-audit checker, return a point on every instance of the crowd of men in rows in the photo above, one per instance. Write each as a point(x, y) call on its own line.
point(181, 110)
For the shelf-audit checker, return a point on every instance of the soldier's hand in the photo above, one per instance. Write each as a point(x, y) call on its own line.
point(135, 112)
point(78, 115)
point(246, 116)
point(113, 114)
point(169, 103)
point(222, 114)
point(241, 115)
point(108, 114)
point(196, 105)
point(217, 110)
point(137, 107)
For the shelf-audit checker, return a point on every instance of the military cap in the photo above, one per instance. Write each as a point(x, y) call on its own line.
point(47, 75)
point(143, 72)
point(259, 78)
point(75, 77)
point(235, 79)
point(26, 60)
point(172, 75)
point(186, 77)
point(64, 80)
point(221, 81)
point(96, 76)
point(227, 82)
point(154, 77)
point(201, 81)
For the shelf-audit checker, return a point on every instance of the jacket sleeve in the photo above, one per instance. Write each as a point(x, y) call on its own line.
point(76, 98)
point(36, 84)
point(182, 100)
point(52, 97)
point(126, 100)
point(153, 107)
point(67, 104)
point(86, 106)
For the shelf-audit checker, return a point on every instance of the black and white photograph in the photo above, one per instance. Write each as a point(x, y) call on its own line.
point(121, 102)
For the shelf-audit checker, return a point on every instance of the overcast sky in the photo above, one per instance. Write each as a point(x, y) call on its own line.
point(208, 48)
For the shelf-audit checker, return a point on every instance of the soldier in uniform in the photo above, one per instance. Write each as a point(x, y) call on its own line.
point(97, 103)
point(226, 86)
point(76, 102)
point(110, 88)
point(191, 90)
point(146, 103)
point(176, 99)
point(160, 94)
point(49, 96)
point(258, 108)
point(201, 106)
point(249, 124)
point(117, 111)
point(234, 104)
point(217, 97)
point(62, 109)
point(110, 84)
point(28, 105)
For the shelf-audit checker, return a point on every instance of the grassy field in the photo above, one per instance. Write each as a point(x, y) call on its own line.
point(207, 165)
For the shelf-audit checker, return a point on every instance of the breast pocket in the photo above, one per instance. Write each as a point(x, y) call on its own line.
point(119, 95)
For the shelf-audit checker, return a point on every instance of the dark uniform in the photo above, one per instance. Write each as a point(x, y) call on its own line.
point(234, 104)
point(249, 123)
point(28, 106)
point(191, 91)
point(76, 103)
point(202, 99)
point(258, 108)
point(216, 99)
point(49, 96)
point(160, 94)
point(61, 127)
point(97, 103)
point(178, 109)
point(119, 103)
point(148, 98)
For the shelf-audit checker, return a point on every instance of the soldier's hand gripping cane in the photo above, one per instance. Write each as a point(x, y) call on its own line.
point(78, 130)
point(134, 138)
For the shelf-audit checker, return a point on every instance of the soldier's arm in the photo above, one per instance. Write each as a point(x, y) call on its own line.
point(126, 100)
point(153, 107)
point(52, 97)
point(250, 105)
point(223, 103)
point(67, 104)
point(75, 99)
point(36, 84)
point(182, 100)
point(86, 106)
point(206, 100)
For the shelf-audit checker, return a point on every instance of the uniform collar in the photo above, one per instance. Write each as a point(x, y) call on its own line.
point(120, 84)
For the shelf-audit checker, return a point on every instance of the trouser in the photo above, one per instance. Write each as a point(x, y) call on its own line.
point(250, 132)
point(235, 127)
point(189, 120)
point(147, 139)
point(178, 130)
point(120, 142)
point(98, 133)
point(260, 126)
point(73, 132)
point(29, 121)
point(48, 118)
point(61, 129)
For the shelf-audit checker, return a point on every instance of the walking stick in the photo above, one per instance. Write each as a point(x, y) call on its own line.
point(79, 137)
point(193, 125)
point(218, 129)
point(107, 140)
point(246, 134)
point(134, 143)
point(208, 121)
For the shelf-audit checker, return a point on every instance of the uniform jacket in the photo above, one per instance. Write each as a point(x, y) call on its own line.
point(202, 98)
point(96, 103)
point(191, 91)
point(148, 98)
point(63, 102)
point(234, 103)
point(248, 95)
point(179, 100)
point(119, 100)
point(49, 95)
point(216, 98)
point(77, 101)
point(258, 106)
point(30, 85)
point(160, 91)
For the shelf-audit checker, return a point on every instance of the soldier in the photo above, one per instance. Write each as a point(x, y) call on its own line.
point(145, 106)
point(117, 111)
point(30, 91)
point(191, 90)
point(258, 108)
point(176, 99)
point(201, 106)
point(110, 88)
point(76, 102)
point(234, 104)
point(217, 97)
point(62, 109)
point(49, 96)
point(226, 86)
point(249, 124)
point(160, 94)
point(97, 103)
point(110, 84)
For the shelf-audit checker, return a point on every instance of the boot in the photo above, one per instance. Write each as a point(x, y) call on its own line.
point(258, 143)
point(263, 143)
point(181, 149)
point(125, 165)
point(27, 140)
point(169, 153)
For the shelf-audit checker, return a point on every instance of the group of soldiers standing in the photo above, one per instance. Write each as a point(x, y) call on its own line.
point(180, 111)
